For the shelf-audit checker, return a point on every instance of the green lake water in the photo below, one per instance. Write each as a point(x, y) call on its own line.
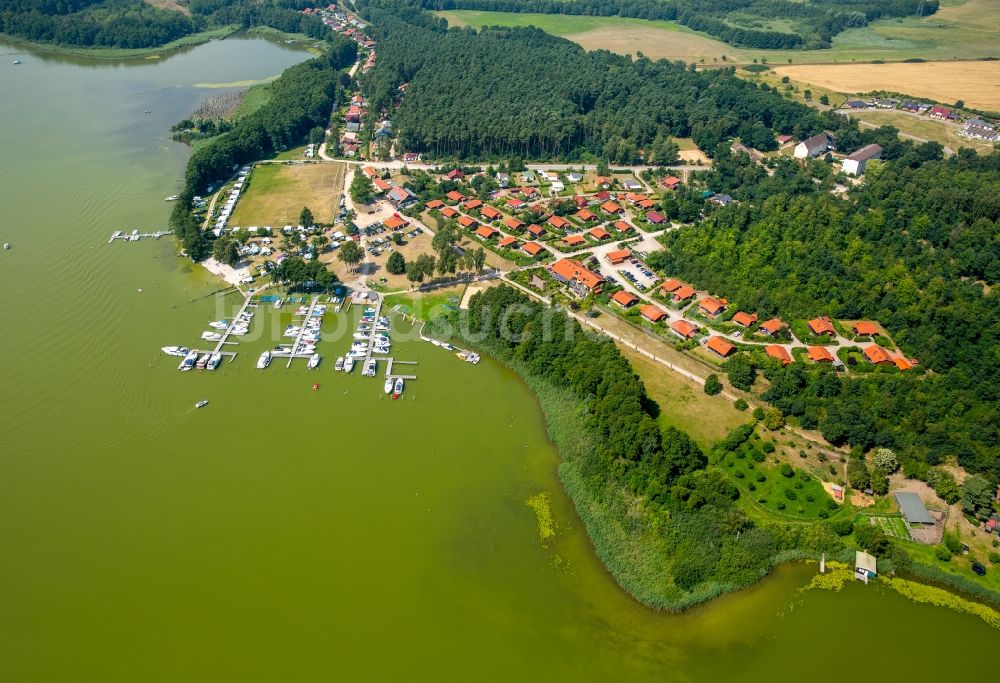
point(286, 534)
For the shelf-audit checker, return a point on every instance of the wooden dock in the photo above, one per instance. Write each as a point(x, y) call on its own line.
point(135, 235)
point(298, 337)
point(225, 335)
point(393, 362)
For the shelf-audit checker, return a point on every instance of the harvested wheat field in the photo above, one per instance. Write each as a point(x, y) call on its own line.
point(277, 193)
point(654, 41)
point(977, 83)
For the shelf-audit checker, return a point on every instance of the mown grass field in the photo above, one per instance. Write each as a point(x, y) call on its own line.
point(278, 192)
point(976, 82)
point(799, 496)
point(969, 29)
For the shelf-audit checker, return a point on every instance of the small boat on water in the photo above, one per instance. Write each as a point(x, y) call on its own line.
point(313, 361)
point(388, 385)
point(354, 354)
point(175, 350)
point(340, 363)
point(397, 388)
point(17, 61)
point(172, 198)
point(264, 360)
point(211, 336)
point(348, 364)
point(202, 361)
point(188, 362)
point(201, 404)
point(213, 361)
point(6, 245)
point(369, 369)
point(219, 324)
point(360, 335)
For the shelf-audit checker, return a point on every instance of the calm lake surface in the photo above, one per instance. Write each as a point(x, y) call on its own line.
point(285, 534)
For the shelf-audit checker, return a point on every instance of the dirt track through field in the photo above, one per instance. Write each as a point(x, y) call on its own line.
point(977, 83)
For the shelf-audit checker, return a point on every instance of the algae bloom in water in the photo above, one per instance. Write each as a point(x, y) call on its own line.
point(541, 503)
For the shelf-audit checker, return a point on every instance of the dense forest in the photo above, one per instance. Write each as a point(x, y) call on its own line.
point(737, 22)
point(136, 24)
point(916, 247)
point(503, 92)
point(664, 521)
point(302, 98)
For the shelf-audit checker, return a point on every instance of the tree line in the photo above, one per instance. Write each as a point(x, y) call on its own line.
point(504, 92)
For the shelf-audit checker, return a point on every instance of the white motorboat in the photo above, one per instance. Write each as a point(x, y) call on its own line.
point(211, 336)
point(447, 346)
point(213, 361)
point(340, 363)
point(264, 360)
point(348, 364)
point(17, 61)
point(354, 355)
point(174, 350)
point(6, 245)
point(388, 385)
point(172, 198)
point(369, 369)
point(381, 350)
point(219, 324)
point(202, 361)
point(360, 335)
point(201, 404)
point(188, 362)
point(314, 361)
point(397, 388)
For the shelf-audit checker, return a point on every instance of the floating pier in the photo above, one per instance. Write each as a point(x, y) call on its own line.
point(393, 362)
point(135, 235)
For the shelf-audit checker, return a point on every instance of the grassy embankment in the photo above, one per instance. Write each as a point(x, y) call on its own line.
point(959, 30)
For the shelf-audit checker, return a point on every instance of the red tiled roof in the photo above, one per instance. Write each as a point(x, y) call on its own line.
point(569, 269)
point(772, 326)
point(448, 212)
point(600, 234)
point(486, 231)
point(586, 215)
point(455, 196)
point(536, 230)
point(574, 240)
point(720, 346)
point(533, 248)
point(368, 170)
point(646, 204)
point(877, 355)
point(865, 328)
point(685, 292)
point(381, 184)
point(435, 204)
point(902, 362)
point(671, 285)
point(624, 299)
point(466, 221)
point(684, 328)
point(670, 182)
point(610, 207)
point(779, 352)
point(513, 223)
point(820, 354)
point(490, 212)
point(506, 241)
point(622, 226)
point(558, 222)
point(514, 202)
point(821, 326)
point(655, 217)
point(711, 305)
point(395, 223)
point(617, 256)
point(745, 319)
point(472, 204)
point(652, 313)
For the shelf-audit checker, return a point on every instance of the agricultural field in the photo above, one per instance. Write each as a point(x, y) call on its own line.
point(783, 491)
point(977, 83)
point(277, 193)
point(959, 30)
point(894, 527)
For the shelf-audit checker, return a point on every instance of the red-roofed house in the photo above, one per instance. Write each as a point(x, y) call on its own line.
point(819, 354)
point(671, 183)
point(771, 327)
point(558, 222)
point(435, 204)
point(865, 328)
point(711, 306)
point(381, 185)
point(940, 112)
point(745, 319)
point(467, 222)
point(586, 215)
point(655, 217)
point(514, 203)
point(507, 242)
point(454, 174)
point(684, 329)
point(536, 230)
point(600, 234)
point(512, 223)
point(574, 240)
point(611, 207)
point(532, 248)
point(671, 285)
point(720, 346)
point(486, 232)
point(580, 279)
point(455, 196)
point(370, 172)
point(822, 325)
point(529, 192)
point(624, 299)
point(395, 223)
point(778, 352)
point(472, 204)
point(902, 362)
point(653, 314)
point(490, 213)
point(617, 256)
point(602, 182)
point(683, 293)
point(876, 355)
point(622, 226)
point(448, 212)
